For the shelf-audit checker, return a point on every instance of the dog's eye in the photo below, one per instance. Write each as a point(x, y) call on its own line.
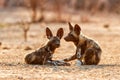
point(54, 40)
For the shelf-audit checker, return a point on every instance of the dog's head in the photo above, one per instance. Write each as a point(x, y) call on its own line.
point(74, 33)
point(54, 41)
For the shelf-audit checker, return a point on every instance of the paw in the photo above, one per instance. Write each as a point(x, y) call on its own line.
point(78, 63)
point(66, 64)
point(61, 63)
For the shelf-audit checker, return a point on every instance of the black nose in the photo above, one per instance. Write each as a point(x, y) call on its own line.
point(57, 44)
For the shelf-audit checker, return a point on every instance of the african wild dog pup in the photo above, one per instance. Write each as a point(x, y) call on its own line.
point(88, 51)
point(44, 55)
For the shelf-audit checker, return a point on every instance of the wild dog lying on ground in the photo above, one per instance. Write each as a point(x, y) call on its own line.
point(44, 55)
point(88, 51)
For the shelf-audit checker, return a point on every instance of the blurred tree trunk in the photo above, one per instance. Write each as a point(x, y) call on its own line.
point(33, 5)
point(41, 6)
point(115, 6)
point(102, 5)
point(57, 9)
point(37, 5)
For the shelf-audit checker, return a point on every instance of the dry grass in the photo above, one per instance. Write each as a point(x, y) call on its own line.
point(13, 67)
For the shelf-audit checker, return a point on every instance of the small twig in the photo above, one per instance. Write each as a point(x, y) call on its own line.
point(25, 28)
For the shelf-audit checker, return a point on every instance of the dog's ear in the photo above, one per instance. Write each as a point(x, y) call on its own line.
point(70, 26)
point(48, 33)
point(77, 29)
point(60, 32)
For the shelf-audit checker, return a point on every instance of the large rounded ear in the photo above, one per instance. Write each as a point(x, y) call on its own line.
point(70, 26)
point(77, 29)
point(60, 32)
point(48, 33)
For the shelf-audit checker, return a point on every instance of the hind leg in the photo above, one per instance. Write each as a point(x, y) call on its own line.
point(90, 57)
point(29, 58)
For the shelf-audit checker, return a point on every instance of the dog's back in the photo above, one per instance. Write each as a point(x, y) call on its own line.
point(90, 51)
point(39, 56)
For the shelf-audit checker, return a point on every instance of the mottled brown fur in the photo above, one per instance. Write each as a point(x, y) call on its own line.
point(43, 55)
point(87, 50)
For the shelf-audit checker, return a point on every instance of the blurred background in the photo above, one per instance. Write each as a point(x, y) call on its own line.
point(58, 10)
point(22, 30)
point(30, 17)
point(26, 20)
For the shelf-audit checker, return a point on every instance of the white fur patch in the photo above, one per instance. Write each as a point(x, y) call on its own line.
point(49, 61)
point(99, 54)
point(79, 53)
point(78, 63)
point(33, 58)
point(74, 34)
point(82, 38)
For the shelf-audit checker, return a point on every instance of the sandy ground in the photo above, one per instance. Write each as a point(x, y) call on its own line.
point(13, 67)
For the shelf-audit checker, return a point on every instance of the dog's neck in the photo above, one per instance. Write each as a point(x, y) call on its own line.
point(76, 42)
point(80, 40)
point(50, 48)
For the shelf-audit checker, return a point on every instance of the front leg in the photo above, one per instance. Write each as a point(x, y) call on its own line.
point(57, 63)
point(76, 56)
point(70, 58)
point(52, 62)
point(79, 57)
point(79, 54)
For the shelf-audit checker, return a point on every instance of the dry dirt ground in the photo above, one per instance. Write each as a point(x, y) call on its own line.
point(13, 67)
